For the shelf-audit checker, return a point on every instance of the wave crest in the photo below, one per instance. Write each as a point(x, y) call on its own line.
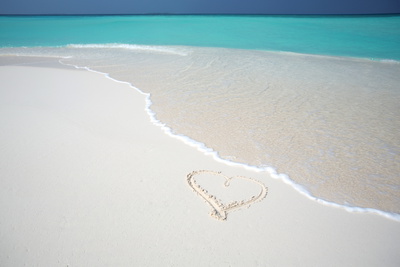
point(143, 48)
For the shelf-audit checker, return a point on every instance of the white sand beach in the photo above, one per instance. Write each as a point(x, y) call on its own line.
point(86, 179)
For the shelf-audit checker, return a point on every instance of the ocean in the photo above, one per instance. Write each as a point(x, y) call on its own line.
point(373, 37)
point(311, 100)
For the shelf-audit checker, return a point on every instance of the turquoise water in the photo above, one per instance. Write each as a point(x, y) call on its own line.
point(374, 37)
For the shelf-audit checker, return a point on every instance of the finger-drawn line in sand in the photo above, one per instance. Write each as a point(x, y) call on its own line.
point(219, 210)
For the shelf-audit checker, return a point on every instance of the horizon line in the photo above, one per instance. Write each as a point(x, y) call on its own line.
point(208, 14)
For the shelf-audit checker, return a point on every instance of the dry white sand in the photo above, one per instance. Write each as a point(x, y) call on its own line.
point(87, 180)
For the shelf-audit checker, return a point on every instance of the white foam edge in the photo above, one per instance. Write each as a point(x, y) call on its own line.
point(214, 154)
point(336, 57)
point(185, 51)
point(143, 48)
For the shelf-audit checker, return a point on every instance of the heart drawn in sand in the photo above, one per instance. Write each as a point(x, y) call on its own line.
point(220, 210)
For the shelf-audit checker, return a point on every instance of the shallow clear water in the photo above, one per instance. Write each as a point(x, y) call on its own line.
point(330, 123)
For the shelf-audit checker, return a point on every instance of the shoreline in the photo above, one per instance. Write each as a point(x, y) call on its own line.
point(272, 172)
point(269, 169)
point(89, 172)
point(170, 49)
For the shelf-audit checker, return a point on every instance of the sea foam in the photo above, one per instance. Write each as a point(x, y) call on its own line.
point(133, 47)
point(240, 81)
point(272, 171)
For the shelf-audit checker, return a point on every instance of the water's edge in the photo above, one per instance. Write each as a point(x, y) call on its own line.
point(215, 155)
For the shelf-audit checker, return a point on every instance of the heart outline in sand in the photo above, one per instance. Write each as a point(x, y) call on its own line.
point(219, 210)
